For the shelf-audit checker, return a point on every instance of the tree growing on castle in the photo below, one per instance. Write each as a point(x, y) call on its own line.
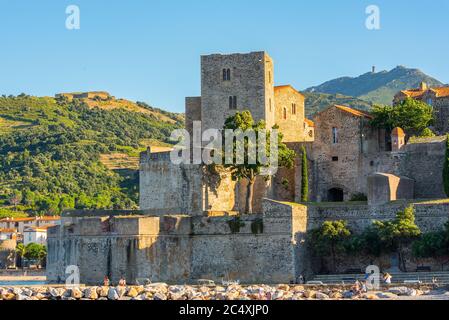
point(304, 177)
point(398, 233)
point(330, 239)
point(286, 157)
point(446, 168)
point(411, 115)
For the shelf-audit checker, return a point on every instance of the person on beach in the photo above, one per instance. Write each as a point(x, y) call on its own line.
point(122, 282)
point(356, 288)
point(387, 278)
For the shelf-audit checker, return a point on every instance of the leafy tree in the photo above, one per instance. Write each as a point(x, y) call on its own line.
point(399, 232)
point(21, 252)
point(446, 168)
point(426, 133)
point(411, 115)
point(244, 121)
point(330, 239)
point(15, 198)
point(35, 251)
point(304, 177)
point(368, 243)
point(430, 245)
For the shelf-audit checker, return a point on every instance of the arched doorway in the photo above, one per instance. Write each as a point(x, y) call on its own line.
point(335, 195)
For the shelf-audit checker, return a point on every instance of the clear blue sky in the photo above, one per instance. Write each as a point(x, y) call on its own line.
point(149, 50)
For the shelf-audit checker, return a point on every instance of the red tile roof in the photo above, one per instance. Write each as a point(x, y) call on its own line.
point(416, 93)
point(310, 123)
point(287, 86)
point(355, 112)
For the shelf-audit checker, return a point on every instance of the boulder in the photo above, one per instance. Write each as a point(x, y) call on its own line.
point(403, 291)
point(321, 296)
point(76, 293)
point(112, 294)
point(103, 291)
point(336, 295)
point(91, 293)
point(132, 292)
point(278, 294)
point(386, 295)
point(309, 294)
point(159, 296)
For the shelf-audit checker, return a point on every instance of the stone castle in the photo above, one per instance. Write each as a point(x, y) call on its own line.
point(189, 224)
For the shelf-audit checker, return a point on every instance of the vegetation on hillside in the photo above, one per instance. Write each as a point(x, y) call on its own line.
point(377, 87)
point(50, 154)
point(316, 102)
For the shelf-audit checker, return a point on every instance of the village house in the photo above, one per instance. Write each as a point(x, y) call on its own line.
point(36, 234)
point(20, 224)
point(438, 98)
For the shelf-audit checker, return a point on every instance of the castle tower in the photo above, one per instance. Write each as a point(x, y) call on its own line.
point(397, 139)
point(236, 82)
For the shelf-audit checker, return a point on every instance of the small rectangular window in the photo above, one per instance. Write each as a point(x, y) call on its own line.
point(269, 101)
point(335, 159)
point(232, 102)
point(334, 135)
point(293, 108)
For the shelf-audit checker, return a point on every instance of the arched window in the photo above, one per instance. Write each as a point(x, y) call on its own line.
point(226, 74)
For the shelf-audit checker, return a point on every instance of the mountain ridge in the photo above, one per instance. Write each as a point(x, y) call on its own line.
point(376, 87)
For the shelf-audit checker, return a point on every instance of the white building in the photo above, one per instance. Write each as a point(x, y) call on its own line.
point(35, 235)
point(21, 223)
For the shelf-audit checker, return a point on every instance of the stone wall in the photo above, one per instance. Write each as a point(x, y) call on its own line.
point(174, 188)
point(7, 253)
point(178, 249)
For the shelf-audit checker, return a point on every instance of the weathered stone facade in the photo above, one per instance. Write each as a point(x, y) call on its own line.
point(347, 150)
point(267, 248)
point(177, 248)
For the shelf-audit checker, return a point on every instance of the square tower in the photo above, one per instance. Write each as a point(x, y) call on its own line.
point(236, 82)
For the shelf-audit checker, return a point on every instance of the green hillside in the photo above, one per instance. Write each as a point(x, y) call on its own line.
point(50, 152)
point(316, 102)
point(376, 87)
